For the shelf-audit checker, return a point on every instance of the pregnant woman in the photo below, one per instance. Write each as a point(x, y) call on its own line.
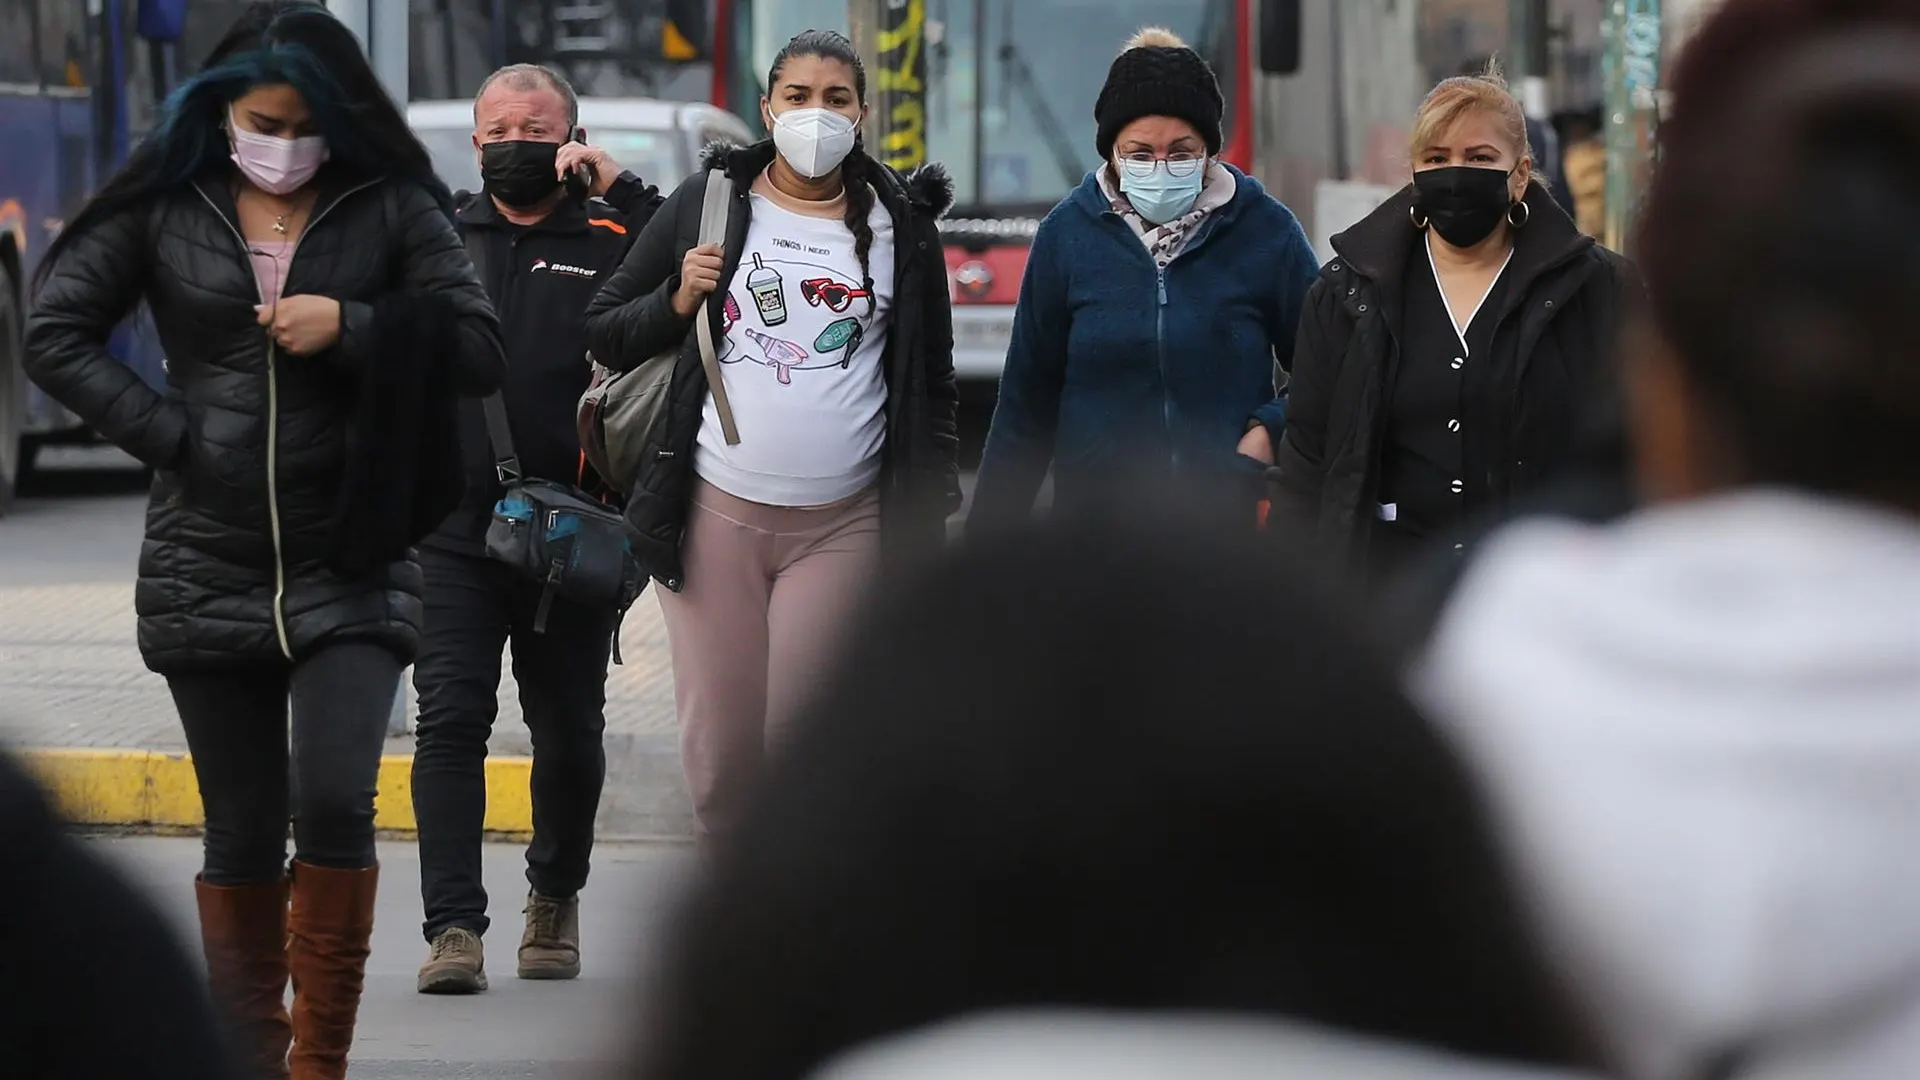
point(835, 340)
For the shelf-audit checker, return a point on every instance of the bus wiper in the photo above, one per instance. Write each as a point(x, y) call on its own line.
point(1015, 71)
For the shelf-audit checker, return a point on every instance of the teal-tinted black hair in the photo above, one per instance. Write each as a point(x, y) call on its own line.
point(291, 42)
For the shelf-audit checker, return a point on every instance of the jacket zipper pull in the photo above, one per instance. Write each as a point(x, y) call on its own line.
point(1161, 276)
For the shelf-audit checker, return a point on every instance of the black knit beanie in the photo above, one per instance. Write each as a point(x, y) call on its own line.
point(1158, 76)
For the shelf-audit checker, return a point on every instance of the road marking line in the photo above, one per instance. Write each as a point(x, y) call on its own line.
point(151, 789)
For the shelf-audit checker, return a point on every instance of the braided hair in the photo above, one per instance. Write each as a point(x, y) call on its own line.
point(859, 172)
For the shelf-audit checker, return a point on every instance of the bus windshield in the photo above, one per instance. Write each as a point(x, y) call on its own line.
point(1011, 83)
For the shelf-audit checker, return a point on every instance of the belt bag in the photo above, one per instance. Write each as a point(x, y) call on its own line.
point(621, 409)
point(573, 546)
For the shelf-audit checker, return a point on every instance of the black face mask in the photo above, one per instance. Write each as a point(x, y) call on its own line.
point(519, 173)
point(1464, 204)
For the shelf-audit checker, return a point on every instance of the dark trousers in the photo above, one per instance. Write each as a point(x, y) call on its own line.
point(475, 607)
point(238, 732)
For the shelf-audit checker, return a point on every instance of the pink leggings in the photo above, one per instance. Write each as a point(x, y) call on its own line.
point(768, 591)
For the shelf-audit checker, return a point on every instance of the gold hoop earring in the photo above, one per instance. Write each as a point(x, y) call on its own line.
point(1526, 215)
point(1413, 215)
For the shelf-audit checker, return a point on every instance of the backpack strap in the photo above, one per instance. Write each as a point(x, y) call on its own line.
point(714, 220)
point(506, 463)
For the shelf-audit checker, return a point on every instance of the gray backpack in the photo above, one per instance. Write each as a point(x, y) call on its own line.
point(619, 409)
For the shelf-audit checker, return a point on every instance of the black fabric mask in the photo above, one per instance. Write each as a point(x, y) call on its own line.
point(519, 173)
point(1464, 203)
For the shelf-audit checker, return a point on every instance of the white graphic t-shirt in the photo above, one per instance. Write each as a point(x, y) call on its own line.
point(801, 360)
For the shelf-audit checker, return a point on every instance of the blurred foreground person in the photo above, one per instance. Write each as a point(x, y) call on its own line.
point(1702, 724)
point(319, 316)
point(1451, 350)
point(93, 984)
point(1060, 1044)
point(1050, 775)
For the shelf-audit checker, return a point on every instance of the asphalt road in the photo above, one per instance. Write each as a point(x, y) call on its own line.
point(78, 522)
point(516, 1030)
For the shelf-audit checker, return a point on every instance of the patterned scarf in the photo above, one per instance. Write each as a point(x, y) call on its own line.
point(1165, 241)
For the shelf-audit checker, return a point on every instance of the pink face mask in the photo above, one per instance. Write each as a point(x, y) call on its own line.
point(276, 166)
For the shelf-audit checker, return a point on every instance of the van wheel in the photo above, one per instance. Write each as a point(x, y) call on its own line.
point(16, 453)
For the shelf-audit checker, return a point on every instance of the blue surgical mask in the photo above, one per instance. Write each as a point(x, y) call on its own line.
point(1156, 192)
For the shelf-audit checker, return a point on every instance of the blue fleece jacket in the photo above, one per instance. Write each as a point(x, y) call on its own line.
point(1116, 365)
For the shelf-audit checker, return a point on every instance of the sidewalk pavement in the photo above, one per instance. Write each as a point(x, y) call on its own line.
point(76, 699)
point(100, 728)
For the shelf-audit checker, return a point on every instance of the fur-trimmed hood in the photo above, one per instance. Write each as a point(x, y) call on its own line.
point(928, 188)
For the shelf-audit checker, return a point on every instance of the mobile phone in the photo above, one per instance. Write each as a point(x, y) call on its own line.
point(579, 181)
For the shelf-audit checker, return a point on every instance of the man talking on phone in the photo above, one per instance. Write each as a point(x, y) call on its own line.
point(554, 218)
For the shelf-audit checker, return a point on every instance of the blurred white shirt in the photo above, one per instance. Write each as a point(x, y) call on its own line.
point(1700, 729)
point(1055, 1044)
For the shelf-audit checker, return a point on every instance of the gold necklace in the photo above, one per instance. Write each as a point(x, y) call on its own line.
point(280, 223)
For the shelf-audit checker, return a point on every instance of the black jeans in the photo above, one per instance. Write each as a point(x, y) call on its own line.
point(474, 608)
point(237, 729)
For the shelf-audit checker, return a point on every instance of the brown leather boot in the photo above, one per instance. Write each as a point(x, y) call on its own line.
point(329, 931)
point(243, 931)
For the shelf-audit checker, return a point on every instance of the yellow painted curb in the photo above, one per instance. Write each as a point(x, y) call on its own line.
point(144, 788)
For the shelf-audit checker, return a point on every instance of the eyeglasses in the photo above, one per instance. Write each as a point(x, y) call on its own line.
point(1140, 166)
point(827, 291)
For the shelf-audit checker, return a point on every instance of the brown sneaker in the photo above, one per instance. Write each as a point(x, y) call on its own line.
point(457, 964)
point(550, 948)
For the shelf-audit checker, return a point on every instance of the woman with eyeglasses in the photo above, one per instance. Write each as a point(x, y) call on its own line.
point(1455, 353)
point(1159, 305)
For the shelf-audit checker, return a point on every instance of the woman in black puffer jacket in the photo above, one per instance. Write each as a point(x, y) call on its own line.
point(319, 318)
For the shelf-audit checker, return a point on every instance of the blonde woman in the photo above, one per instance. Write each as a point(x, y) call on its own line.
point(1450, 352)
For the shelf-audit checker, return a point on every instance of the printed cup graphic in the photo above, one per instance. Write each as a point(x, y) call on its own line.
point(782, 356)
point(765, 285)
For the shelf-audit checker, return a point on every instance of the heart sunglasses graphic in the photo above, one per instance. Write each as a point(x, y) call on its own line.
point(836, 296)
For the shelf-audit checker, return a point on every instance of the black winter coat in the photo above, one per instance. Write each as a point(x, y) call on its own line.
point(251, 446)
point(1552, 368)
point(633, 319)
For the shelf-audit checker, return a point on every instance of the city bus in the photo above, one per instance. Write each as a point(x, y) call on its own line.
point(79, 83)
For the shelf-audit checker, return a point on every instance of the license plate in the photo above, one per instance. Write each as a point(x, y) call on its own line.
point(992, 334)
